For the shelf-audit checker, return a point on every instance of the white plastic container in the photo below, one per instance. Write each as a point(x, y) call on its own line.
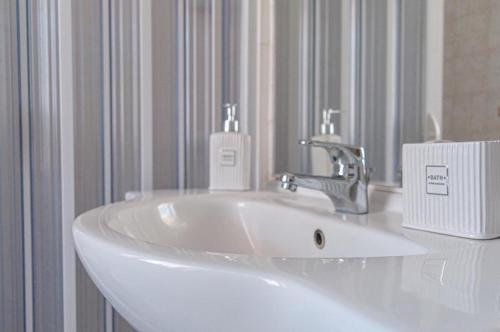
point(453, 188)
point(230, 153)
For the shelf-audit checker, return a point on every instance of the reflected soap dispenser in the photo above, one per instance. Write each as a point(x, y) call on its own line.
point(320, 160)
point(230, 155)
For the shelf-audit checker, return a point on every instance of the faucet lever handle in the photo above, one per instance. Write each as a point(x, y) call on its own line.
point(354, 153)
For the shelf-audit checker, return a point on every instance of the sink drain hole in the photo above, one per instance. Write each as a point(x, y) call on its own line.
point(319, 239)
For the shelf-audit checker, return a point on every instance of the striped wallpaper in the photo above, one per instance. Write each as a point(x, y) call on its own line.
point(132, 111)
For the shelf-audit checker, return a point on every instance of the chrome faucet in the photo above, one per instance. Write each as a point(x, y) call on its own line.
point(347, 187)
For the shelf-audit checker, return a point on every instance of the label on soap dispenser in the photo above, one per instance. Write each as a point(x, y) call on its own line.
point(437, 180)
point(227, 157)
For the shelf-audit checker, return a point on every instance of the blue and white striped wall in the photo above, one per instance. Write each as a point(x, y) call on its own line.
point(103, 97)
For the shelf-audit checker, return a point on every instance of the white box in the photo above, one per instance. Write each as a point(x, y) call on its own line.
point(453, 188)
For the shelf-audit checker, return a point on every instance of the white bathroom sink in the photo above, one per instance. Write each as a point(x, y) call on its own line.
point(255, 261)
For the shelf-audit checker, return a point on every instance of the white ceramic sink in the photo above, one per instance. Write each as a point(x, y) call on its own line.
point(199, 261)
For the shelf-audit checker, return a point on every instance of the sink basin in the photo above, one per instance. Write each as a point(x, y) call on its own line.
point(264, 261)
point(263, 224)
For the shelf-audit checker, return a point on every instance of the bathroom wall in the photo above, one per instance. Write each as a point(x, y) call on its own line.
point(11, 211)
point(471, 78)
point(98, 98)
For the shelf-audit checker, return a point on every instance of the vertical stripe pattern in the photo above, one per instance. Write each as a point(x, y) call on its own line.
point(45, 167)
point(88, 143)
point(199, 54)
point(11, 208)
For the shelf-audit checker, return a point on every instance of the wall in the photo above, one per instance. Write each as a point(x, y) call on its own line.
point(11, 209)
point(103, 97)
point(471, 78)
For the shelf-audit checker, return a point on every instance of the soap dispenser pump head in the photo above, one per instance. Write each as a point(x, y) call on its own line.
point(328, 127)
point(230, 124)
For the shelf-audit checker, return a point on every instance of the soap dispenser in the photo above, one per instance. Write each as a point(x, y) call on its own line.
point(230, 155)
point(320, 160)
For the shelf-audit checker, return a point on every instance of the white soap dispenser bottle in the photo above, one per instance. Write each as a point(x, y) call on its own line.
point(320, 160)
point(230, 155)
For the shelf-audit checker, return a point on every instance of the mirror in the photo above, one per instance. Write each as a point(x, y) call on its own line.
point(398, 71)
point(308, 76)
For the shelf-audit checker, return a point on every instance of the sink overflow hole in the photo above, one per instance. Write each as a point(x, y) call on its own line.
point(319, 239)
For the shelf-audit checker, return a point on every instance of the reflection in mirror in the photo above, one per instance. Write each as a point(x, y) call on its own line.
point(308, 76)
point(364, 58)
